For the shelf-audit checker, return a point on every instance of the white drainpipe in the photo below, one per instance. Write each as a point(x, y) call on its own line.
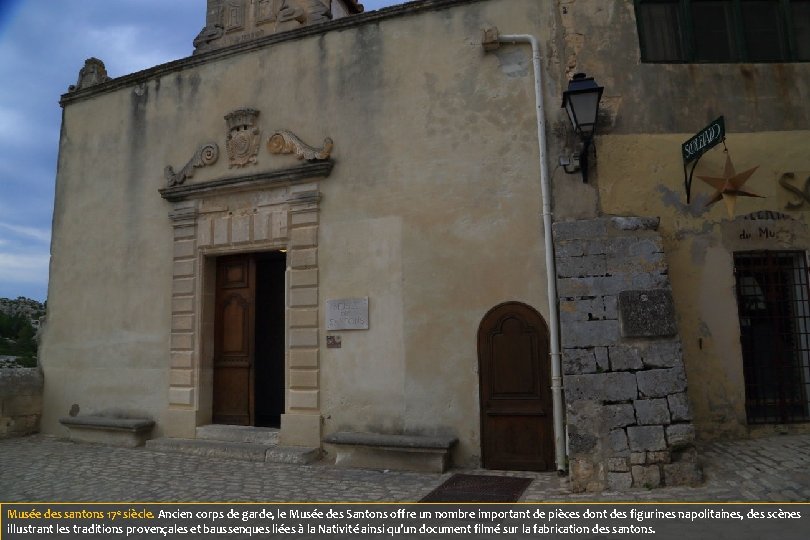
point(491, 42)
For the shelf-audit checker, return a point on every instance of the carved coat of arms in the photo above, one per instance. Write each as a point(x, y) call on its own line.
point(243, 137)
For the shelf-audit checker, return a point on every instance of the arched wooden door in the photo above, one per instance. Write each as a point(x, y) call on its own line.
point(517, 430)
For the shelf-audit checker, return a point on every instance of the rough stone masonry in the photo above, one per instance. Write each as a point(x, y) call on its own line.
point(629, 423)
point(20, 401)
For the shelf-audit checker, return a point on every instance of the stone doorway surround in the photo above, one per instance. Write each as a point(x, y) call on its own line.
point(277, 210)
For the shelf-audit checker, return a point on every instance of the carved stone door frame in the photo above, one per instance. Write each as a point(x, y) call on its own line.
point(260, 213)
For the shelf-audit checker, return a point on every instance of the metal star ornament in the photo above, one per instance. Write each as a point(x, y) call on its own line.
point(728, 187)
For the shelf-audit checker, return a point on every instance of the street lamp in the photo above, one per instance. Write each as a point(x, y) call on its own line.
point(581, 102)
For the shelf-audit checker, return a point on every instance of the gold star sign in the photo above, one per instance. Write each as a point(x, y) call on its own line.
point(728, 186)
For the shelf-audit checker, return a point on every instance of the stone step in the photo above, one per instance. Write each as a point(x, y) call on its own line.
point(242, 451)
point(246, 434)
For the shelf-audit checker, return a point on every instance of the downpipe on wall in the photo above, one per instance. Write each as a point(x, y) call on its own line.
point(492, 41)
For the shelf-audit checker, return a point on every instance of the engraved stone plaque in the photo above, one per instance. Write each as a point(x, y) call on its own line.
point(347, 314)
point(648, 313)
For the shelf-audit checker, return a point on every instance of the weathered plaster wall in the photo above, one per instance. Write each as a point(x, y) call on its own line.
point(109, 281)
point(600, 38)
point(432, 210)
point(450, 224)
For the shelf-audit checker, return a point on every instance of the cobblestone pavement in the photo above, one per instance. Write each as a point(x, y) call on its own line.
point(40, 468)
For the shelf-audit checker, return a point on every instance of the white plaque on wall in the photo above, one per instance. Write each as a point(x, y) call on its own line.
point(347, 314)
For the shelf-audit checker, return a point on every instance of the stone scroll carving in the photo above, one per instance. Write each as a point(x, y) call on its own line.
point(207, 35)
point(214, 27)
point(91, 74)
point(242, 146)
point(205, 155)
point(286, 142)
point(319, 11)
point(243, 137)
point(279, 11)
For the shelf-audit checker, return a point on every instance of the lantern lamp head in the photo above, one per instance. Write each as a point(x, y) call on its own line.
point(581, 102)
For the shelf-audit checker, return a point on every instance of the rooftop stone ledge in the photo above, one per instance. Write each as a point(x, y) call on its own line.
point(344, 23)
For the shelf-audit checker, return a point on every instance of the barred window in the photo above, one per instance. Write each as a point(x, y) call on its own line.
point(773, 299)
point(716, 31)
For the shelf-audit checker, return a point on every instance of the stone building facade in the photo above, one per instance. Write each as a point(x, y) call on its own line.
point(356, 198)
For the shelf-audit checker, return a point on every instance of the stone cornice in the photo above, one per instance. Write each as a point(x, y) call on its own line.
point(247, 182)
point(344, 23)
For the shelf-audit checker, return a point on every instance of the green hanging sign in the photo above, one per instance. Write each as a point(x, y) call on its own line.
point(692, 150)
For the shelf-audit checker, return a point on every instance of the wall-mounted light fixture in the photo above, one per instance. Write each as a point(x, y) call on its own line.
point(581, 102)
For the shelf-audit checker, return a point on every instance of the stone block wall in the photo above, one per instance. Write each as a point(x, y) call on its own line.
point(20, 401)
point(628, 416)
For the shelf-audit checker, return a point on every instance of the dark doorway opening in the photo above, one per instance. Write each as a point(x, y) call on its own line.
point(269, 379)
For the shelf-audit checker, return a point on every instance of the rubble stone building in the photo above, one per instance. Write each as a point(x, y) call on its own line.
point(331, 222)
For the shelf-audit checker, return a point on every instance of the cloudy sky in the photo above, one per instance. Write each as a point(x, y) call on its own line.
point(43, 44)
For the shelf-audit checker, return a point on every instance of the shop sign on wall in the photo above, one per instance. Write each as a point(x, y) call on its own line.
point(759, 233)
point(347, 314)
point(763, 229)
point(705, 139)
point(692, 150)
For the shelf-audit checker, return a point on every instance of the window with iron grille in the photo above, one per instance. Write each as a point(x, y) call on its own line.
point(715, 31)
point(774, 310)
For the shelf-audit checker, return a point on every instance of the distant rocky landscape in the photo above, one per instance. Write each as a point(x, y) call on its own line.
point(20, 320)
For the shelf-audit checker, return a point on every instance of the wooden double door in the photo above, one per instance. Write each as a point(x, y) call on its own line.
point(517, 430)
point(249, 340)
